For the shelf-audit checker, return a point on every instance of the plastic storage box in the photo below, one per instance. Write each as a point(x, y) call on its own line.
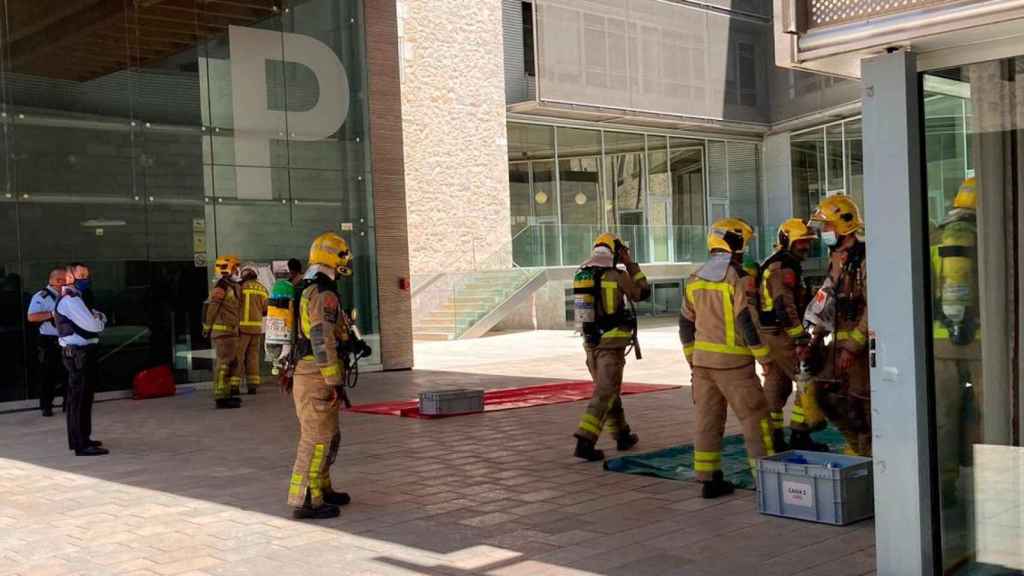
point(449, 402)
point(826, 488)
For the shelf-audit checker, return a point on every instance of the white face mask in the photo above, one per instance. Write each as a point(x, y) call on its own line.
point(829, 238)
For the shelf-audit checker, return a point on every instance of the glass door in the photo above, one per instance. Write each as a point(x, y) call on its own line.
point(974, 156)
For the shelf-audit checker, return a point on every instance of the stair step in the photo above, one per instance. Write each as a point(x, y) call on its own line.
point(433, 336)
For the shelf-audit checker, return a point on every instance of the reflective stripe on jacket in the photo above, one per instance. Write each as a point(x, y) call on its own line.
point(716, 325)
point(254, 307)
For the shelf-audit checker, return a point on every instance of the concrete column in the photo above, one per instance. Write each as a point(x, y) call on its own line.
point(897, 314)
point(778, 177)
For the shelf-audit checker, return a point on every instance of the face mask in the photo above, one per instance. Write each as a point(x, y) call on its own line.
point(82, 284)
point(829, 238)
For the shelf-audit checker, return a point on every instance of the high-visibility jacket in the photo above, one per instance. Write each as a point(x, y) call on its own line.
point(254, 307)
point(617, 288)
point(848, 272)
point(716, 325)
point(781, 297)
point(322, 325)
point(221, 313)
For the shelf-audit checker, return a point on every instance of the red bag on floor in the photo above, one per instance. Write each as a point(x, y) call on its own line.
point(153, 383)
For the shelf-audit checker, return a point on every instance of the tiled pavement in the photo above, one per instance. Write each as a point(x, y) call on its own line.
point(189, 490)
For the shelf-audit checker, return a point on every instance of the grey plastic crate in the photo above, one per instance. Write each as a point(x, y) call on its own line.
point(839, 495)
point(453, 401)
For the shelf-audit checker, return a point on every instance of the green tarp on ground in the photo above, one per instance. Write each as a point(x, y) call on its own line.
point(677, 463)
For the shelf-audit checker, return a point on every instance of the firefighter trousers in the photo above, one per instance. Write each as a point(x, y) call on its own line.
point(318, 409)
point(714, 390)
point(605, 412)
point(227, 378)
point(845, 400)
point(957, 422)
point(249, 346)
point(778, 376)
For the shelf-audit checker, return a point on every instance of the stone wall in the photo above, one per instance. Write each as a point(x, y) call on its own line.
point(456, 156)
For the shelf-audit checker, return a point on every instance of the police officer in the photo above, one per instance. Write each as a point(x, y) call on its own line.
point(842, 385)
point(220, 324)
point(602, 290)
point(321, 326)
point(782, 301)
point(957, 337)
point(250, 326)
point(721, 342)
point(40, 311)
point(79, 328)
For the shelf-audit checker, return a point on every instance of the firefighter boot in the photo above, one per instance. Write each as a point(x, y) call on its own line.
point(801, 440)
point(625, 441)
point(322, 512)
point(228, 403)
point(779, 443)
point(717, 486)
point(336, 498)
point(585, 449)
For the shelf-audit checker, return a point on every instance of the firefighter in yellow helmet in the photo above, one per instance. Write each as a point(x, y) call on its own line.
point(721, 342)
point(250, 328)
point(781, 302)
point(957, 337)
point(840, 308)
point(602, 292)
point(322, 325)
point(221, 318)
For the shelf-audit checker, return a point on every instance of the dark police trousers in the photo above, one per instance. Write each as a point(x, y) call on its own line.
point(49, 370)
point(82, 368)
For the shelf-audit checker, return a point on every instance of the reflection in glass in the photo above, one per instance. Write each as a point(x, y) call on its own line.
point(579, 181)
point(977, 392)
point(625, 167)
point(688, 205)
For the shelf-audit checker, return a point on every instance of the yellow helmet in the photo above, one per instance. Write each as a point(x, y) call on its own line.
point(967, 196)
point(841, 212)
point(726, 232)
point(792, 230)
point(331, 250)
point(607, 239)
point(226, 265)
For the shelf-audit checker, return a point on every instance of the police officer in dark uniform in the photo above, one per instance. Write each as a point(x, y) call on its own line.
point(40, 311)
point(79, 328)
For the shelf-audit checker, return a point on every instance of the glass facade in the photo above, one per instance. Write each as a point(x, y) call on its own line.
point(827, 160)
point(146, 139)
point(658, 192)
point(973, 126)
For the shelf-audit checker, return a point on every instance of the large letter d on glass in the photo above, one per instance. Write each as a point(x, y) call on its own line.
point(255, 123)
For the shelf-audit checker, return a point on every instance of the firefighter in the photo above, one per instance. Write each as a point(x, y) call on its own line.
point(721, 342)
point(318, 379)
point(840, 309)
point(250, 327)
point(603, 292)
point(220, 324)
point(957, 336)
point(782, 300)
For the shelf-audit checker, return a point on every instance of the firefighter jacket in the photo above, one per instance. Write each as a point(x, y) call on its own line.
point(254, 307)
point(323, 325)
point(221, 313)
point(781, 298)
point(848, 272)
point(716, 325)
point(614, 288)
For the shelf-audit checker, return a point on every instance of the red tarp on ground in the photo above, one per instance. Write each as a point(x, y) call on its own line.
point(511, 398)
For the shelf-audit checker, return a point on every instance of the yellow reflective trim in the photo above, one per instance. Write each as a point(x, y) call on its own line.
point(795, 331)
point(722, 348)
point(255, 323)
point(766, 436)
point(797, 418)
point(253, 379)
point(759, 351)
point(235, 380)
point(583, 284)
point(699, 456)
point(222, 328)
point(610, 289)
point(616, 333)
point(259, 292)
point(688, 349)
point(855, 335)
point(639, 276)
point(590, 428)
point(330, 371)
point(296, 485)
point(592, 419)
point(767, 303)
point(778, 416)
point(314, 470)
point(707, 466)
point(304, 315)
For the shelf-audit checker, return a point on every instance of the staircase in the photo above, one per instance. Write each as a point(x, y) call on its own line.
point(475, 302)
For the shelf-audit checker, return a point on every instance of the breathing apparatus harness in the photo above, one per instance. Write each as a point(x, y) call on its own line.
point(591, 311)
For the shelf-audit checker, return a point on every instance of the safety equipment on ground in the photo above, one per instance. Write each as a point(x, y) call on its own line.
point(331, 250)
point(793, 230)
point(226, 265)
point(841, 212)
point(730, 234)
point(967, 197)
